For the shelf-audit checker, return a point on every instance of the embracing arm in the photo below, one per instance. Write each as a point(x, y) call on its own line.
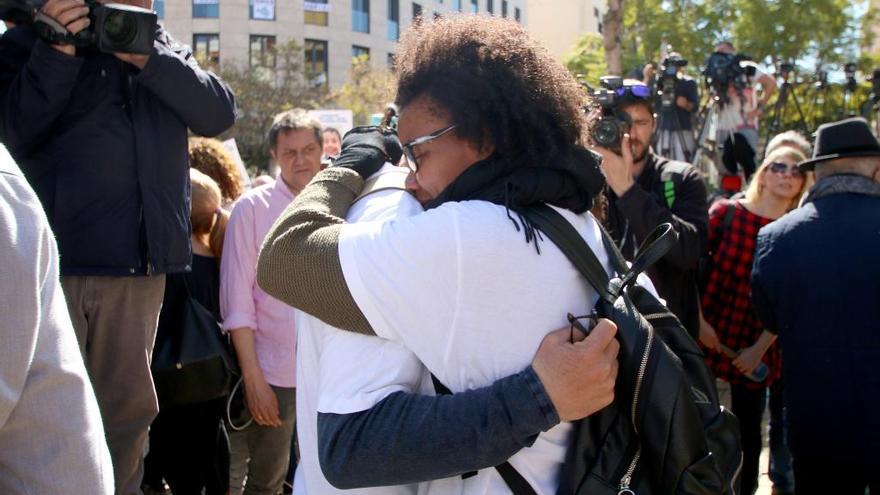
point(299, 261)
point(468, 431)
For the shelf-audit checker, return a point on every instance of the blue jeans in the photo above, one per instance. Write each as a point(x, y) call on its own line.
point(780, 472)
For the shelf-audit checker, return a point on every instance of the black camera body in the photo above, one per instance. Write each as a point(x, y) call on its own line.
point(668, 78)
point(613, 124)
point(724, 70)
point(113, 28)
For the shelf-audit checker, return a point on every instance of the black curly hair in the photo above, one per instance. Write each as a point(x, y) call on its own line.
point(499, 86)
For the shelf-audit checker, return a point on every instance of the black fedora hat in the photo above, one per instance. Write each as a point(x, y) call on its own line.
point(846, 138)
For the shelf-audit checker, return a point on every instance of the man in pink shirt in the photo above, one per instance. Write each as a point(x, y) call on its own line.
point(261, 326)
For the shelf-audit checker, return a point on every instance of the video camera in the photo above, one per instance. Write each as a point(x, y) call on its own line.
point(609, 130)
point(113, 28)
point(668, 78)
point(849, 73)
point(724, 70)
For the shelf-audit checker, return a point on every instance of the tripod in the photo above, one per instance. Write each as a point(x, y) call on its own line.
point(671, 141)
point(785, 90)
point(821, 103)
point(706, 117)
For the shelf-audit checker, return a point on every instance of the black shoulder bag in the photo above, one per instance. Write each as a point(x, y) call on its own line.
point(195, 364)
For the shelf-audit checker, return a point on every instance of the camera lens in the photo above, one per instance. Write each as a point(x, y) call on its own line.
point(606, 133)
point(120, 28)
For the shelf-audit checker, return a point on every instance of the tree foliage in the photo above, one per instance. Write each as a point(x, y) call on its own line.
point(586, 60)
point(366, 92)
point(261, 92)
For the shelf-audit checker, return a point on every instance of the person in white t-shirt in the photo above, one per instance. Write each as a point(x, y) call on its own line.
point(492, 125)
point(343, 373)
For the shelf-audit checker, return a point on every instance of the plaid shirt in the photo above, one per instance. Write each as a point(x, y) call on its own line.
point(726, 304)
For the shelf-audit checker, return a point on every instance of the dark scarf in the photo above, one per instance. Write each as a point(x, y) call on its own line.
point(841, 184)
point(572, 183)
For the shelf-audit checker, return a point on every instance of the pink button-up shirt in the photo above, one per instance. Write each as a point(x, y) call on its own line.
point(242, 302)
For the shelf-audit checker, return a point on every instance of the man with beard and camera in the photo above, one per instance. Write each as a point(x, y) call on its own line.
point(740, 109)
point(102, 138)
point(677, 102)
point(646, 190)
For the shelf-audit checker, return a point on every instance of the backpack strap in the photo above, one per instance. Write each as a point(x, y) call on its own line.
point(570, 242)
point(576, 249)
point(515, 481)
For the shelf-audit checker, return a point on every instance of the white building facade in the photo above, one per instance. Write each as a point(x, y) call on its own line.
point(331, 32)
point(559, 23)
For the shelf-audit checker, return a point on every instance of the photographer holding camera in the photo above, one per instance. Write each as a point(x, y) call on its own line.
point(678, 100)
point(738, 117)
point(102, 138)
point(646, 190)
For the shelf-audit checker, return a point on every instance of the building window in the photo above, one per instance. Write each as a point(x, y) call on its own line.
point(207, 47)
point(517, 14)
point(262, 10)
point(416, 13)
point(262, 51)
point(599, 28)
point(456, 5)
point(595, 12)
point(360, 16)
point(159, 7)
point(206, 8)
point(390, 61)
point(437, 16)
point(393, 20)
point(503, 8)
point(316, 62)
point(359, 51)
point(475, 6)
point(490, 6)
point(316, 12)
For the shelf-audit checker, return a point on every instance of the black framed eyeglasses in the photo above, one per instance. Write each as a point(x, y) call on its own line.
point(780, 168)
point(591, 321)
point(408, 147)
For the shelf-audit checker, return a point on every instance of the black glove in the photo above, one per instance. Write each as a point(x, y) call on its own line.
point(365, 149)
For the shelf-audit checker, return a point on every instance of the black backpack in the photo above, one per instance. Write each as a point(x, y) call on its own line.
point(665, 433)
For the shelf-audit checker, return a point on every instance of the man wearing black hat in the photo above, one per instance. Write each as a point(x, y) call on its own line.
point(816, 282)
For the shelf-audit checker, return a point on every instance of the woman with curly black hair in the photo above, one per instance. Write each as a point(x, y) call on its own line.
point(490, 124)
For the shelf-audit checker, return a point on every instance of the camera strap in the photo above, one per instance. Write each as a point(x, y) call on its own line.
point(54, 33)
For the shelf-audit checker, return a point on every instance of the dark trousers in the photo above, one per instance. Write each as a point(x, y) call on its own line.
point(748, 406)
point(190, 449)
point(825, 476)
point(737, 150)
point(780, 471)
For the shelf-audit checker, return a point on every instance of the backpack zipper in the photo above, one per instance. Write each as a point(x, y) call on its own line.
point(623, 488)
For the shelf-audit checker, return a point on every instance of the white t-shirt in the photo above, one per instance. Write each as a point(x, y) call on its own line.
point(459, 286)
point(343, 372)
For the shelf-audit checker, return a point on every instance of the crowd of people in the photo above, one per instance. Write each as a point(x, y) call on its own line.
point(390, 319)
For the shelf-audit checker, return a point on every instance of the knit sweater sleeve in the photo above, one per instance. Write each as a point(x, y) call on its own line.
point(299, 260)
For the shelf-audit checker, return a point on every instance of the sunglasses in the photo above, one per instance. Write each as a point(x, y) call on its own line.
point(591, 321)
point(635, 90)
point(780, 168)
point(408, 147)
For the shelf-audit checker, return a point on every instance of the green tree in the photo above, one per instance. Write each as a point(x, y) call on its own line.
point(274, 85)
point(586, 60)
point(367, 91)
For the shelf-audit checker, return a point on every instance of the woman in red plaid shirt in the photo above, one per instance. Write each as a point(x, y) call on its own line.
point(728, 319)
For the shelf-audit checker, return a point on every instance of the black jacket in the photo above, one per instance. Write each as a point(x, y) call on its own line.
point(816, 282)
point(105, 147)
point(674, 192)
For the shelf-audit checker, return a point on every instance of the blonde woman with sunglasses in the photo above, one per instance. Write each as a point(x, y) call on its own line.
point(728, 321)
